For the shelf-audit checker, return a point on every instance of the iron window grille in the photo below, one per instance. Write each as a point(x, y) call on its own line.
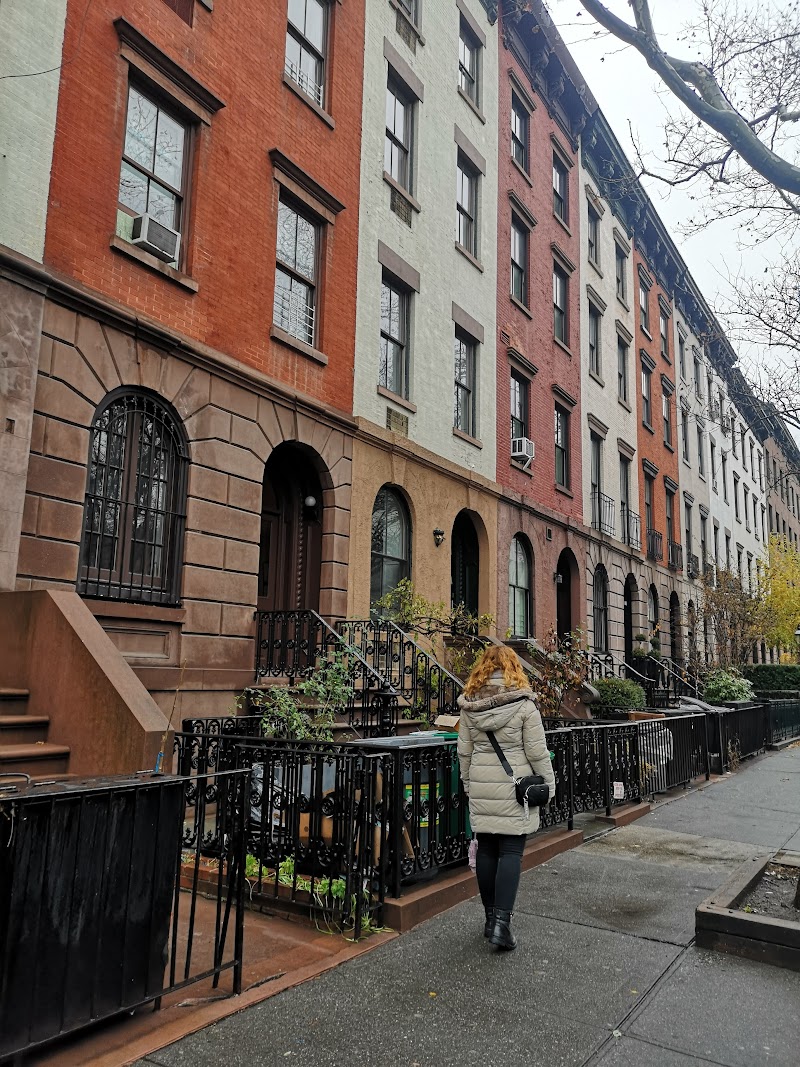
point(560, 190)
point(594, 340)
point(464, 416)
point(622, 370)
point(153, 175)
point(135, 506)
point(391, 543)
point(631, 527)
point(593, 236)
point(519, 589)
point(519, 262)
point(655, 549)
point(621, 267)
point(305, 47)
point(603, 513)
point(393, 374)
point(519, 132)
point(295, 275)
point(397, 148)
point(519, 406)
point(560, 304)
point(468, 49)
point(466, 206)
point(562, 446)
point(674, 556)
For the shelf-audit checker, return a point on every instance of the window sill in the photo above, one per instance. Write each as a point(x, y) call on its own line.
point(117, 609)
point(597, 378)
point(688, 463)
point(623, 403)
point(468, 255)
point(561, 223)
point(646, 332)
point(523, 172)
point(284, 338)
point(521, 306)
point(472, 105)
point(564, 491)
point(474, 441)
point(596, 266)
point(669, 447)
point(146, 260)
point(561, 344)
point(648, 427)
point(406, 195)
point(624, 302)
point(519, 465)
point(396, 399)
point(414, 29)
point(309, 101)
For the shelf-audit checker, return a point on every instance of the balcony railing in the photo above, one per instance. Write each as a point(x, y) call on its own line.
point(655, 543)
point(631, 527)
point(308, 84)
point(603, 513)
point(693, 567)
point(293, 312)
point(674, 556)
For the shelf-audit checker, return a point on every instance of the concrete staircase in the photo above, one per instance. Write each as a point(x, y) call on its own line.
point(24, 748)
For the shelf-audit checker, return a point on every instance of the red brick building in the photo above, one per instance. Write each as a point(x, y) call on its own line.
point(192, 433)
point(538, 324)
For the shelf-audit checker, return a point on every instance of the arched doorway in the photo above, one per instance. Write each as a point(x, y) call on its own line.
point(566, 575)
point(464, 564)
point(291, 532)
point(675, 639)
point(390, 558)
point(600, 608)
point(630, 605)
point(653, 620)
point(520, 587)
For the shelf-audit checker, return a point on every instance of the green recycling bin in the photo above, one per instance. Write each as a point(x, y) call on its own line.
point(451, 735)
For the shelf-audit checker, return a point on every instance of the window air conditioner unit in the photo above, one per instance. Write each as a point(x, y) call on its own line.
point(156, 238)
point(524, 449)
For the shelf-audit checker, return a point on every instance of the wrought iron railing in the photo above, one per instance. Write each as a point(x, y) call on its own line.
point(693, 567)
point(293, 312)
point(673, 752)
point(631, 527)
point(735, 733)
point(308, 84)
point(674, 556)
point(603, 513)
point(655, 550)
point(784, 720)
point(292, 644)
point(673, 677)
point(425, 685)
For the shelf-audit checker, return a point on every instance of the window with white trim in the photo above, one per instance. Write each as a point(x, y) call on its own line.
point(294, 309)
point(466, 205)
point(393, 371)
point(399, 127)
point(464, 408)
point(305, 47)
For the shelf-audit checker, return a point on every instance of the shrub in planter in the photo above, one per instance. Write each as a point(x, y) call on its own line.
point(619, 693)
point(768, 676)
point(721, 686)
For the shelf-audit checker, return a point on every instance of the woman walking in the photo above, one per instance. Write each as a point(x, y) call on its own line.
point(497, 699)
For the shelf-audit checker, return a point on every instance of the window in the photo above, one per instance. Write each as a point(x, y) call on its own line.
point(468, 52)
point(647, 412)
point(743, 433)
point(682, 355)
point(648, 502)
point(153, 177)
point(596, 475)
point(594, 236)
point(409, 9)
point(184, 9)
point(560, 304)
point(739, 565)
point(519, 588)
point(713, 448)
point(644, 307)
point(736, 497)
point(390, 560)
point(727, 552)
point(393, 373)
point(716, 545)
point(135, 505)
point(698, 377)
point(464, 394)
point(669, 501)
point(652, 615)
point(519, 262)
point(594, 340)
point(466, 206)
point(295, 274)
point(663, 329)
point(725, 477)
point(685, 434)
point(687, 533)
point(703, 541)
point(622, 369)
point(622, 273)
point(560, 190)
point(746, 504)
point(519, 405)
point(760, 473)
point(397, 148)
point(701, 459)
point(305, 47)
point(600, 608)
point(562, 446)
point(520, 122)
point(666, 411)
point(709, 388)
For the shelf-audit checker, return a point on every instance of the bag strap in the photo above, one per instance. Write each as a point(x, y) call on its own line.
point(500, 755)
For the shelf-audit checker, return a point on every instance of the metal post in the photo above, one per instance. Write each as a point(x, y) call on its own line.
point(606, 769)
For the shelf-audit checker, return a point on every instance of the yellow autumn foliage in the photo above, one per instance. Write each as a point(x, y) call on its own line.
point(781, 583)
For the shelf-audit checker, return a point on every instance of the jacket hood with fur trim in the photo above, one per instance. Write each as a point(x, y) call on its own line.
point(494, 705)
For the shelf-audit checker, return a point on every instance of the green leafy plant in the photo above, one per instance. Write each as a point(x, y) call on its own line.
point(284, 718)
point(619, 693)
point(559, 665)
point(773, 676)
point(721, 686)
point(330, 685)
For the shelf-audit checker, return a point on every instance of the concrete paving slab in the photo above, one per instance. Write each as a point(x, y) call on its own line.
point(617, 892)
point(632, 1052)
point(728, 818)
point(793, 844)
point(725, 1009)
point(669, 847)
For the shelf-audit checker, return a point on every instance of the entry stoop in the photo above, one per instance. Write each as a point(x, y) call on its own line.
point(24, 748)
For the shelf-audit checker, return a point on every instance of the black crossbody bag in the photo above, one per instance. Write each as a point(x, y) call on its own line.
point(532, 791)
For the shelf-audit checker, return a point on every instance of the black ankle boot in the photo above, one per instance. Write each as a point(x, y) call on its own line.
point(501, 934)
point(487, 929)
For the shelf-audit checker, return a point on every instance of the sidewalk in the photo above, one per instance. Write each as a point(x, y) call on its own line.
point(606, 972)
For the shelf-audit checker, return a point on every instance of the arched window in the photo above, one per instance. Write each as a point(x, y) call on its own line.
point(135, 506)
point(519, 588)
point(600, 608)
point(652, 617)
point(391, 543)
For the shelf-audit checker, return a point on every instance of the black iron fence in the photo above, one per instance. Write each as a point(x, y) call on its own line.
point(784, 721)
point(94, 921)
point(735, 733)
point(673, 752)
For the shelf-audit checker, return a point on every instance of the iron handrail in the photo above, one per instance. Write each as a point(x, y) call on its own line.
point(683, 678)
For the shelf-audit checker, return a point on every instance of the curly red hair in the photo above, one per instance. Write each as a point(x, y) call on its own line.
point(497, 658)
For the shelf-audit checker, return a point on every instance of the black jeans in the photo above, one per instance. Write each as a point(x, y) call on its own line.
point(498, 868)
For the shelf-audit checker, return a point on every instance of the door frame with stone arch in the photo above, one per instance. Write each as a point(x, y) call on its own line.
point(477, 598)
point(567, 594)
point(630, 616)
point(675, 629)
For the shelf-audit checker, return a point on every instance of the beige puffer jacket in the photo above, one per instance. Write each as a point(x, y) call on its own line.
point(514, 718)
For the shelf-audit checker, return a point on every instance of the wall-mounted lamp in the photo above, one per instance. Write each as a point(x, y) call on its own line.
point(310, 501)
point(438, 537)
point(558, 578)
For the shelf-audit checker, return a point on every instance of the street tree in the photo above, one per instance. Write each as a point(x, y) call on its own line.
point(782, 593)
point(732, 615)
